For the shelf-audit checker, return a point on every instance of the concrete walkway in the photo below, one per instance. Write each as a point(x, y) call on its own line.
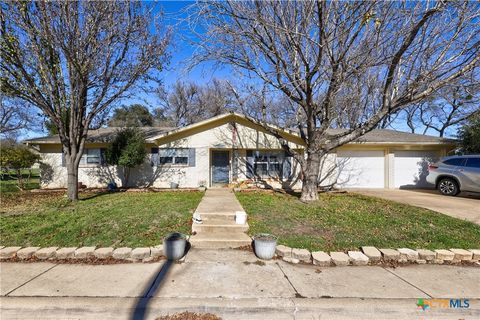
point(463, 206)
point(219, 230)
point(233, 284)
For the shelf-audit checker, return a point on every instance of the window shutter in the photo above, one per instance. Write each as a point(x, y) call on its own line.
point(287, 166)
point(154, 158)
point(250, 160)
point(64, 163)
point(103, 160)
point(235, 165)
point(191, 157)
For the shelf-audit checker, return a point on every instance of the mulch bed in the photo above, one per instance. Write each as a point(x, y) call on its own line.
point(91, 261)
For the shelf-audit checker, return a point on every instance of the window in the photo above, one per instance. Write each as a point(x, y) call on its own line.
point(268, 164)
point(473, 162)
point(91, 156)
point(173, 156)
point(455, 162)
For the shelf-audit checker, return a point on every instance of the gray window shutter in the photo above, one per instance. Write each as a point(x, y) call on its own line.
point(154, 159)
point(287, 166)
point(250, 160)
point(64, 163)
point(235, 165)
point(191, 157)
point(103, 160)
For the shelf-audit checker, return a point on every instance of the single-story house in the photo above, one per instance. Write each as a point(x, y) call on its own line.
point(233, 149)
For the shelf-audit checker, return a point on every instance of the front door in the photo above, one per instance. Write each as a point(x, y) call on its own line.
point(220, 167)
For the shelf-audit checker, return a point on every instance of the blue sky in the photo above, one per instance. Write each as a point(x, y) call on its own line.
point(181, 52)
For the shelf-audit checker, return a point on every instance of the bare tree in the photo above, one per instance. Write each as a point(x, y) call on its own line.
point(447, 109)
point(17, 116)
point(187, 102)
point(74, 59)
point(179, 103)
point(338, 58)
point(260, 102)
point(14, 116)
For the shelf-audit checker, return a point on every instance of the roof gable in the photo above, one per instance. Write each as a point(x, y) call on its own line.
point(217, 121)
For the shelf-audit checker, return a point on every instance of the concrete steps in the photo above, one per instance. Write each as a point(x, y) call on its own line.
point(219, 227)
point(218, 216)
point(219, 230)
point(217, 240)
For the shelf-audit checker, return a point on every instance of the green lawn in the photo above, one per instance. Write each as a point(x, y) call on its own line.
point(114, 219)
point(8, 182)
point(348, 221)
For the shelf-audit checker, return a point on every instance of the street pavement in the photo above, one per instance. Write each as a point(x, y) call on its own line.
point(234, 284)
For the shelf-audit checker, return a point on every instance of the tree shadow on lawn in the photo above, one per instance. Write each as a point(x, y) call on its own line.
point(95, 195)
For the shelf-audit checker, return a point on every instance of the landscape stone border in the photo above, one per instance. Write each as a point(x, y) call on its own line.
point(369, 255)
point(144, 254)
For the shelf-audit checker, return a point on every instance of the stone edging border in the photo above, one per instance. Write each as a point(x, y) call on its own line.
point(372, 256)
point(367, 256)
point(144, 254)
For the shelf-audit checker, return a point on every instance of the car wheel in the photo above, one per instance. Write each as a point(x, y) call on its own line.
point(448, 187)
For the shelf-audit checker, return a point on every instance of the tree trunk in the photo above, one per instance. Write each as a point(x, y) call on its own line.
point(72, 181)
point(20, 183)
point(310, 178)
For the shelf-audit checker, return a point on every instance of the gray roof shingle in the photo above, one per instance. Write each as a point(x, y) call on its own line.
point(393, 136)
point(105, 135)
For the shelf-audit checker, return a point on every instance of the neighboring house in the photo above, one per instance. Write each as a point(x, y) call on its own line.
point(233, 148)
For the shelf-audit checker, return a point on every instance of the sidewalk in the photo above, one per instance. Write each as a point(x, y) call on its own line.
point(234, 285)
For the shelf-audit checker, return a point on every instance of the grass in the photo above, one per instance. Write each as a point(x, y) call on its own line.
point(8, 182)
point(115, 219)
point(349, 221)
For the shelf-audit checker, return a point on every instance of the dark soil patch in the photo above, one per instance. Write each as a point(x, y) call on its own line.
point(245, 248)
point(90, 261)
point(190, 316)
point(258, 263)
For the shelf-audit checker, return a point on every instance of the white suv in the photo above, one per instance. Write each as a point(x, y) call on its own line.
point(452, 175)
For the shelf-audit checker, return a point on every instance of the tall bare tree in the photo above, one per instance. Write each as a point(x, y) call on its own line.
point(187, 102)
point(338, 58)
point(74, 59)
point(15, 115)
point(447, 109)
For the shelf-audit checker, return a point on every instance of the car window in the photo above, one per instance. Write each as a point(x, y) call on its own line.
point(473, 162)
point(455, 162)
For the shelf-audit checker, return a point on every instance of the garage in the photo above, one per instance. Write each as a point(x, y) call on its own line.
point(410, 168)
point(361, 169)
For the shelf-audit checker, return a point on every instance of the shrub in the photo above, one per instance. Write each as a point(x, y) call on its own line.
point(127, 151)
point(15, 158)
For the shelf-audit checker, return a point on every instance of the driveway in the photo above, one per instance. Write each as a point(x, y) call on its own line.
point(463, 206)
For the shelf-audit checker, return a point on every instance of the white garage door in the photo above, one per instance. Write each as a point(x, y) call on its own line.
point(361, 169)
point(411, 168)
